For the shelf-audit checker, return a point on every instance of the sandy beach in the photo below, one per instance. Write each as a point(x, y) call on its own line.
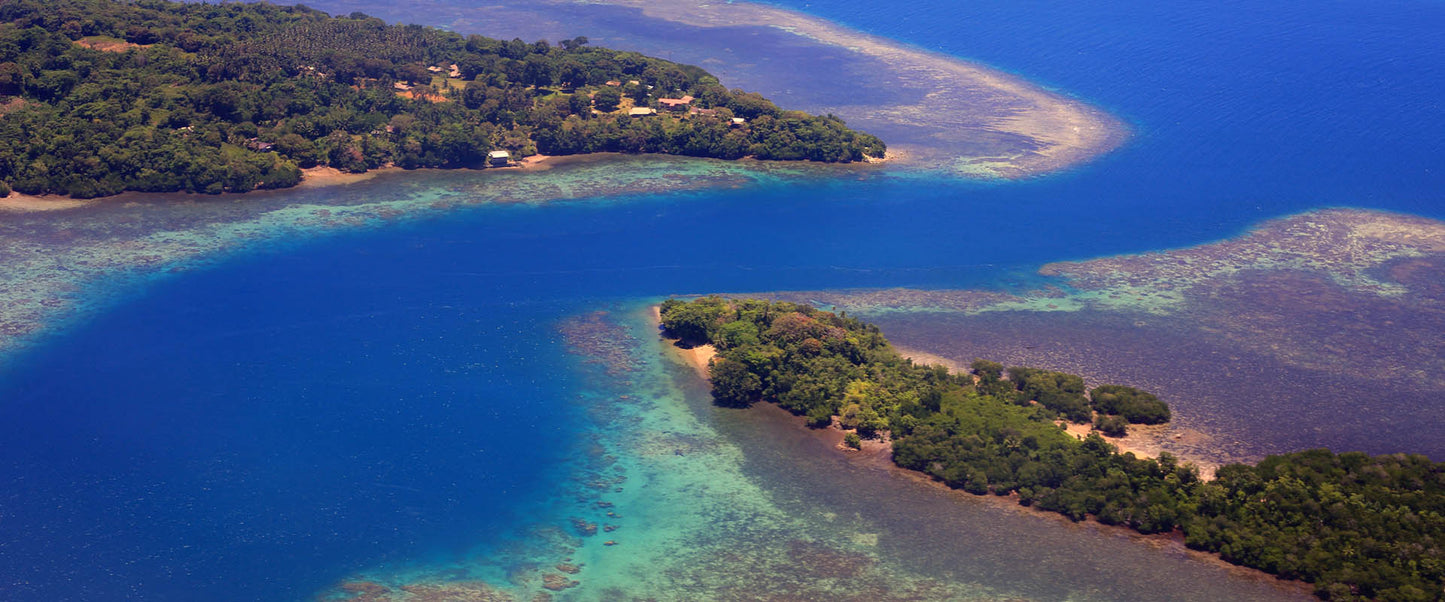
point(1144, 441)
point(697, 357)
point(536, 162)
point(318, 177)
point(24, 203)
point(312, 177)
point(962, 102)
point(942, 113)
point(315, 177)
point(923, 357)
point(1148, 441)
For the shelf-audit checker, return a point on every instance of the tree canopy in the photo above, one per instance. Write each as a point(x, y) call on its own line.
point(159, 96)
point(1358, 527)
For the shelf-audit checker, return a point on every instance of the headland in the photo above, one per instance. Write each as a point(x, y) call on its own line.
point(76, 256)
point(1011, 432)
point(991, 124)
point(676, 499)
point(936, 112)
point(1328, 311)
point(959, 101)
point(299, 89)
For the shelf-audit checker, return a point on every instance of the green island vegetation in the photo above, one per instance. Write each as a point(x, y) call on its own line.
point(1356, 526)
point(103, 96)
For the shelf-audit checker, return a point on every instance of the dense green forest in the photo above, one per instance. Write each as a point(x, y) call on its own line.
point(103, 96)
point(1356, 526)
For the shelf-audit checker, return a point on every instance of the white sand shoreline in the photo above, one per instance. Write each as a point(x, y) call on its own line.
point(1066, 131)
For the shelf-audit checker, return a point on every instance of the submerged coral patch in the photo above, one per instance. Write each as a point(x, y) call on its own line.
point(62, 265)
point(1300, 333)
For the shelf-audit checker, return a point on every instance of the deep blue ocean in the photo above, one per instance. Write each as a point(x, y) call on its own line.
point(262, 428)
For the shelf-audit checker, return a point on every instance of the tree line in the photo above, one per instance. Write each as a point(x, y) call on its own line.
point(1358, 527)
point(160, 96)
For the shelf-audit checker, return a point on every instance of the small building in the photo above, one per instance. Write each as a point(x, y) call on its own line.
point(259, 146)
point(499, 158)
point(434, 69)
point(703, 112)
point(739, 122)
point(453, 71)
point(675, 104)
point(614, 83)
point(641, 112)
point(401, 87)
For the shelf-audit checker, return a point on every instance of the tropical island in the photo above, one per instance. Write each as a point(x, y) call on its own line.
point(1356, 526)
point(99, 97)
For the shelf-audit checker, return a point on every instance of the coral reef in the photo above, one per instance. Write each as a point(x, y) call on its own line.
point(1317, 323)
point(64, 264)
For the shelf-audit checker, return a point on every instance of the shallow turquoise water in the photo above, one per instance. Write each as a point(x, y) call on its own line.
point(400, 398)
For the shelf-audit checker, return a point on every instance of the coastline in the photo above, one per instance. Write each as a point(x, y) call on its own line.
point(1148, 441)
point(1144, 441)
point(920, 356)
point(25, 203)
point(878, 455)
point(699, 358)
point(326, 177)
point(68, 258)
point(1328, 308)
point(322, 176)
point(1171, 543)
point(311, 177)
point(1235, 325)
point(940, 113)
point(1063, 131)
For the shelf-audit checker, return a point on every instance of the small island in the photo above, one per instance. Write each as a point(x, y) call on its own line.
point(1358, 527)
point(99, 97)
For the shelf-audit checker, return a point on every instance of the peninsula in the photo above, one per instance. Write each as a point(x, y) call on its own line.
point(1356, 526)
point(99, 97)
point(939, 113)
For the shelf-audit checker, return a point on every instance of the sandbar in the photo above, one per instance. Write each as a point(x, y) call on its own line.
point(961, 99)
point(936, 112)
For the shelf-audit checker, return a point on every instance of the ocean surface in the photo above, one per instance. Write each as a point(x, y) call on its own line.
point(406, 403)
